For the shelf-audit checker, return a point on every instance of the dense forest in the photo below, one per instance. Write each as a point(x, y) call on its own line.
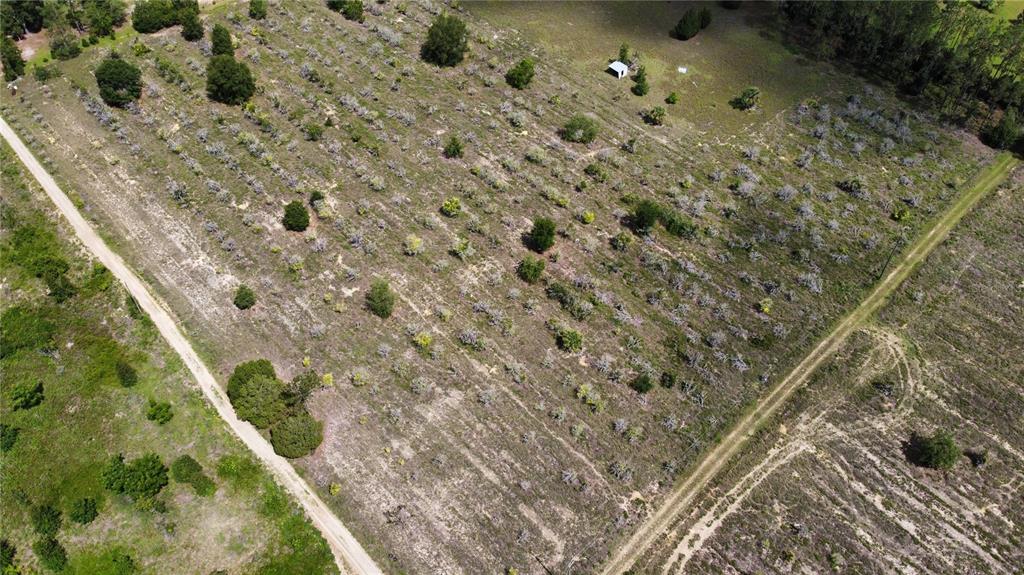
point(962, 61)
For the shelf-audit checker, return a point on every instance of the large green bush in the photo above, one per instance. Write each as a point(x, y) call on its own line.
point(10, 56)
point(937, 451)
point(228, 81)
point(191, 27)
point(102, 16)
point(245, 298)
point(159, 411)
point(83, 510)
point(296, 436)
point(8, 437)
point(65, 44)
point(153, 15)
point(119, 81)
point(580, 129)
point(257, 9)
point(185, 469)
point(247, 370)
point(380, 299)
point(688, 25)
point(446, 43)
point(521, 75)
point(24, 328)
point(530, 269)
point(142, 478)
point(50, 553)
point(46, 520)
point(26, 395)
point(296, 217)
point(542, 235)
point(644, 216)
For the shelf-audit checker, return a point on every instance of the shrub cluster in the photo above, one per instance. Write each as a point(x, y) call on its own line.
point(530, 269)
point(937, 451)
point(245, 298)
point(141, 479)
point(151, 16)
point(542, 235)
point(380, 300)
point(228, 81)
point(521, 74)
point(647, 213)
point(185, 469)
point(261, 399)
point(580, 129)
point(296, 217)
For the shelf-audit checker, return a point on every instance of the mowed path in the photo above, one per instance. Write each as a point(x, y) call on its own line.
point(348, 553)
point(714, 460)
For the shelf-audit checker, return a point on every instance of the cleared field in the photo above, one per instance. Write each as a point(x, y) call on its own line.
point(830, 487)
point(101, 365)
point(489, 447)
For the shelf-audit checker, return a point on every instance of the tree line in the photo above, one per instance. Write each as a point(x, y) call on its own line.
point(962, 62)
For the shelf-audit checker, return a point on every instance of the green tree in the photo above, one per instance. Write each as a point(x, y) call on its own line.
point(747, 99)
point(150, 16)
point(228, 81)
point(380, 299)
point(26, 395)
point(297, 436)
point(245, 298)
point(453, 148)
point(259, 401)
point(10, 56)
point(938, 451)
point(624, 53)
point(688, 25)
point(45, 520)
point(530, 269)
point(83, 510)
point(50, 553)
point(159, 411)
point(296, 217)
point(247, 370)
point(102, 16)
point(521, 74)
point(119, 81)
point(220, 41)
point(191, 27)
point(542, 235)
point(257, 9)
point(446, 43)
point(640, 85)
point(580, 129)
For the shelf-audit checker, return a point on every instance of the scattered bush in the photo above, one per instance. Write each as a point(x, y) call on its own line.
point(655, 116)
point(45, 520)
point(185, 469)
point(580, 129)
point(672, 98)
point(126, 374)
point(747, 99)
point(451, 207)
point(569, 340)
point(159, 411)
point(228, 81)
point(542, 235)
point(938, 451)
point(119, 81)
point(530, 269)
point(296, 217)
point(380, 299)
point(257, 9)
point(8, 437)
point(83, 510)
point(446, 43)
point(297, 436)
point(50, 553)
point(245, 298)
point(521, 74)
point(642, 383)
point(26, 395)
point(453, 147)
point(24, 328)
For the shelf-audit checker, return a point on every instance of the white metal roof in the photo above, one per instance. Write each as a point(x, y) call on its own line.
point(619, 67)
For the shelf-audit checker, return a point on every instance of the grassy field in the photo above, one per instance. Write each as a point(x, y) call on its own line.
point(489, 448)
point(74, 333)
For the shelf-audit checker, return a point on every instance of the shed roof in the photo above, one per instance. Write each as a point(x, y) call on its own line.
point(619, 67)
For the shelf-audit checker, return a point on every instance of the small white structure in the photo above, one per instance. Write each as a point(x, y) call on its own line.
point(619, 69)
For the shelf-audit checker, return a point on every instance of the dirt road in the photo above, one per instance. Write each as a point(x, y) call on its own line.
point(348, 553)
point(713, 461)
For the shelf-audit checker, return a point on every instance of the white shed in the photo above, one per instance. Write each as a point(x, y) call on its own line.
point(619, 69)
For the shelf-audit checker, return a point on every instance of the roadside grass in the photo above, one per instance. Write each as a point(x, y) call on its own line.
point(87, 416)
